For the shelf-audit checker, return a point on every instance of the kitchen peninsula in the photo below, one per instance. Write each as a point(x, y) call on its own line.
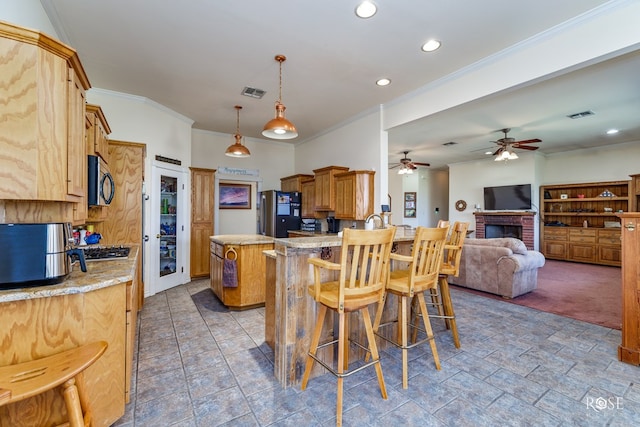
point(85, 307)
point(294, 310)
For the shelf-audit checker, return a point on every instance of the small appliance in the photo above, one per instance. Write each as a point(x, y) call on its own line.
point(36, 254)
point(101, 187)
point(333, 225)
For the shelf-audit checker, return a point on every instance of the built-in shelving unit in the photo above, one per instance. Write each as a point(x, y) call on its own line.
point(579, 221)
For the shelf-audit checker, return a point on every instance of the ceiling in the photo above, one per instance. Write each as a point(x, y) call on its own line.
point(196, 57)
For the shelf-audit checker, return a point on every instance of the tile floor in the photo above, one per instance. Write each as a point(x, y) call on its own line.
point(199, 364)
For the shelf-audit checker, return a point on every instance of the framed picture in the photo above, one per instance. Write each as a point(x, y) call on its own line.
point(234, 196)
point(410, 204)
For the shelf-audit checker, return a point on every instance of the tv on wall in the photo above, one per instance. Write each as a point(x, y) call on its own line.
point(507, 197)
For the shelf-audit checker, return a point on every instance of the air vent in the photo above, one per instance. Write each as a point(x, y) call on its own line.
point(581, 115)
point(446, 144)
point(253, 92)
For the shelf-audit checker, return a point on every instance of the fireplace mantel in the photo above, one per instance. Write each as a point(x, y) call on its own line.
point(524, 219)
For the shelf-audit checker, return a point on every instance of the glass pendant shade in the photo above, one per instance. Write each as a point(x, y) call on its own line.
point(237, 149)
point(280, 127)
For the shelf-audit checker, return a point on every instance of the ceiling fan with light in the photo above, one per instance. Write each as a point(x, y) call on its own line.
point(506, 146)
point(406, 165)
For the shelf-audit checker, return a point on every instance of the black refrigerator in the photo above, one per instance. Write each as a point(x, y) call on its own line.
point(278, 212)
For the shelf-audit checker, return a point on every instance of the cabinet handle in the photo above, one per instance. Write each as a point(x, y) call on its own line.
point(630, 226)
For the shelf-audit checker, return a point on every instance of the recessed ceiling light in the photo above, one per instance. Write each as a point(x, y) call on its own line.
point(431, 45)
point(383, 82)
point(612, 131)
point(488, 152)
point(366, 9)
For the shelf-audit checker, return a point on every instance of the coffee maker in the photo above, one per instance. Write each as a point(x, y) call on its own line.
point(333, 225)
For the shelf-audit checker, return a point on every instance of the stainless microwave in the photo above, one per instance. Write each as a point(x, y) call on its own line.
point(100, 182)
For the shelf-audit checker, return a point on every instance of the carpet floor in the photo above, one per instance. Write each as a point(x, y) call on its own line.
point(587, 292)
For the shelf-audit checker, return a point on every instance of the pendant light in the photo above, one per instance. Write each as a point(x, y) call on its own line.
point(280, 127)
point(237, 149)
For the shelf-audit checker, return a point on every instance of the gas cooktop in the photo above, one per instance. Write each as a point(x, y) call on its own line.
point(105, 253)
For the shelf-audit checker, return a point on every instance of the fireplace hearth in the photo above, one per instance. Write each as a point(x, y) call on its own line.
point(506, 224)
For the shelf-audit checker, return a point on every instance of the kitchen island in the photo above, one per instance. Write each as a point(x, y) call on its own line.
point(295, 310)
point(250, 280)
point(40, 321)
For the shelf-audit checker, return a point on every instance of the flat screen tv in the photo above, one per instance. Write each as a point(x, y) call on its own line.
point(507, 197)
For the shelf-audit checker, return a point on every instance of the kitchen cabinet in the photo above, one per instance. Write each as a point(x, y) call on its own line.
point(293, 182)
point(325, 187)
point(122, 224)
point(567, 208)
point(629, 349)
point(247, 250)
point(354, 195)
point(42, 120)
point(202, 202)
point(97, 133)
point(308, 191)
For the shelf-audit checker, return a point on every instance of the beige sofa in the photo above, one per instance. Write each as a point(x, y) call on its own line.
point(501, 266)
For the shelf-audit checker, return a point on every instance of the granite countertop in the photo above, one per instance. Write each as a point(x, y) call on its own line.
point(100, 274)
point(241, 239)
point(319, 240)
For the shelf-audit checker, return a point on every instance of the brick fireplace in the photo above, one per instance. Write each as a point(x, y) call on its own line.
point(506, 224)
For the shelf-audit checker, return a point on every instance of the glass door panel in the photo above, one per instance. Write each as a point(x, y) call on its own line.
point(168, 225)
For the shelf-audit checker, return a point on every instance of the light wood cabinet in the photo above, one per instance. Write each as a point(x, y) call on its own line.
point(97, 133)
point(629, 349)
point(308, 191)
point(325, 187)
point(293, 182)
point(566, 208)
point(122, 224)
point(634, 192)
point(251, 267)
point(354, 195)
point(42, 122)
point(202, 201)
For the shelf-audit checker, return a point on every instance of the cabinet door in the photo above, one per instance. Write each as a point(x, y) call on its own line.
point(323, 191)
point(76, 148)
point(308, 199)
point(202, 200)
point(555, 250)
point(584, 252)
point(345, 197)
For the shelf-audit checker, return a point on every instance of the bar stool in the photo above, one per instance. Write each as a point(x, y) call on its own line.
point(362, 271)
point(28, 379)
point(450, 266)
point(422, 275)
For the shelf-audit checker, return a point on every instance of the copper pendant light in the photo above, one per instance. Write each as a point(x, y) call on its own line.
point(280, 127)
point(237, 149)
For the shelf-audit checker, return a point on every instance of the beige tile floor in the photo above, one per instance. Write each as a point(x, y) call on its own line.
point(198, 364)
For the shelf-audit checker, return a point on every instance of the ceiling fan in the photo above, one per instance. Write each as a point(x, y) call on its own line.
point(506, 146)
point(407, 165)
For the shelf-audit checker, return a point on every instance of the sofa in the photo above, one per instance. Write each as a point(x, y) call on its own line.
point(501, 266)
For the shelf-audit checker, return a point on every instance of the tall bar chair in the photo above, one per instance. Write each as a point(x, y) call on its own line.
point(421, 275)
point(450, 266)
point(363, 270)
point(65, 369)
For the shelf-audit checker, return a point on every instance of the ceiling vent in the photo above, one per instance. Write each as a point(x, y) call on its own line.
point(253, 92)
point(446, 144)
point(581, 115)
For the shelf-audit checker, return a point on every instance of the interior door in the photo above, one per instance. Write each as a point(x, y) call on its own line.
point(168, 215)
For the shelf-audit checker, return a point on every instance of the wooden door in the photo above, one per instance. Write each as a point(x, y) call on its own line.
point(202, 201)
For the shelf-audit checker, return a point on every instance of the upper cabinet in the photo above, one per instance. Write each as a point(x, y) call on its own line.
point(98, 131)
point(42, 118)
point(308, 190)
point(325, 186)
point(354, 195)
point(293, 183)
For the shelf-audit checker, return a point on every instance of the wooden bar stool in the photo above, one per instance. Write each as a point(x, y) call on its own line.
point(441, 297)
point(363, 270)
point(28, 379)
point(422, 275)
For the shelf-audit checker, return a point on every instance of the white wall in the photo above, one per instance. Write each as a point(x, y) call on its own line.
point(357, 144)
point(27, 13)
